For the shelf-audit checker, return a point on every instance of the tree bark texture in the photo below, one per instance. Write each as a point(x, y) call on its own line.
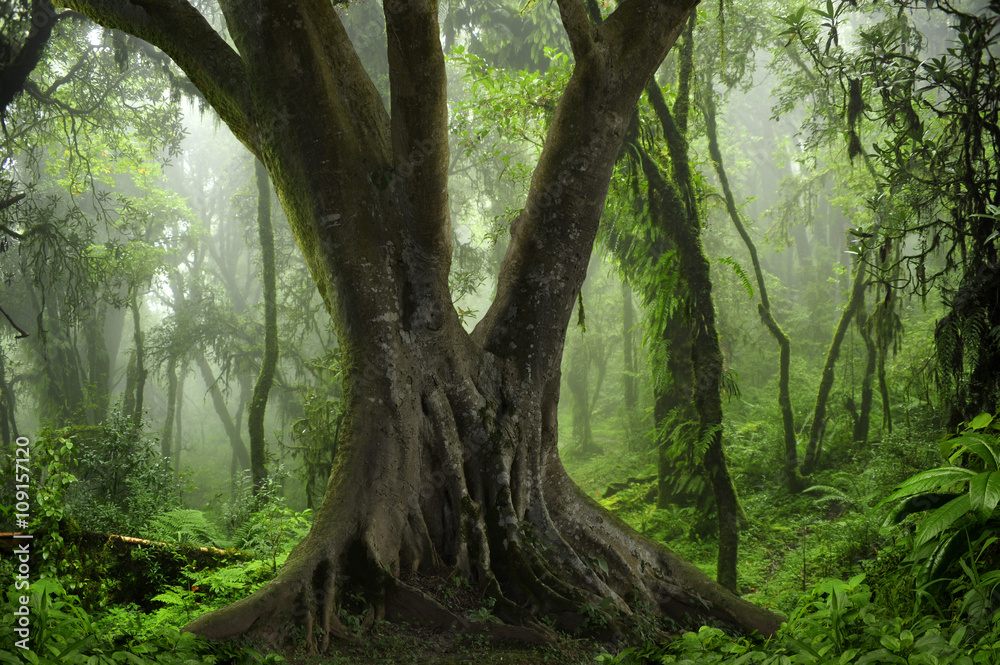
point(448, 460)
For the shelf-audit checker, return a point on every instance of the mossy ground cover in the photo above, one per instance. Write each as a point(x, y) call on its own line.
point(789, 542)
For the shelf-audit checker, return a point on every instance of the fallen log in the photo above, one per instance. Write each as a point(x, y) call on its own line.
point(129, 569)
point(201, 555)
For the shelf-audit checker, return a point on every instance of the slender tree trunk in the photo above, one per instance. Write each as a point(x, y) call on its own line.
point(578, 381)
point(99, 363)
point(793, 481)
point(7, 424)
point(178, 421)
point(599, 357)
point(61, 394)
point(268, 364)
point(240, 454)
point(672, 407)
point(128, 395)
point(166, 441)
point(628, 352)
point(863, 424)
point(706, 362)
point(683, 226)
point(138, 339)
point(883, 391)
point(826, 380)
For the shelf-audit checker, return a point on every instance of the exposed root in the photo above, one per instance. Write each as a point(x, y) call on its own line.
point(467, 481)
point(407, 603)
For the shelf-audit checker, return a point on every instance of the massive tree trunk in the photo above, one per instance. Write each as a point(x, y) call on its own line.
point(448, 459)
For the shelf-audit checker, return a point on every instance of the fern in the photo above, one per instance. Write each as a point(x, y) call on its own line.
point(740, 273)
point(187, 526)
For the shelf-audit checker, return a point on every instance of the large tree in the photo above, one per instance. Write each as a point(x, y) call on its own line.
point(448, 459)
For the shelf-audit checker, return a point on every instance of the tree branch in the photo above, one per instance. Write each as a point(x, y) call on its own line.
point(417, 82)
point(553, 237)
point(14, 75)
point(20, 331)
point(6, 204)
point(578, 27)
point(180, 31)
point(640, 28)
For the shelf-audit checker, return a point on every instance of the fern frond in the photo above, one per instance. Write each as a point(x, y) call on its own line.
point(187, 526)
point(740, 273)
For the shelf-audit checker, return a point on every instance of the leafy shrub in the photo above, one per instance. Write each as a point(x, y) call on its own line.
point(120, 480)
point(62, 633)
point(960, 498)
point(262, 523)
point(836, 624)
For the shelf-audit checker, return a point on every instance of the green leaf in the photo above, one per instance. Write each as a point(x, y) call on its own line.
point(958, 636)
point(848, 656)
point(939, 478)
point(981, 421)
point(918, 504)
point(980, 445)
point(75, 646)
point(803, 647)
point(942, 518)
point(890, 642)
point(984, 491)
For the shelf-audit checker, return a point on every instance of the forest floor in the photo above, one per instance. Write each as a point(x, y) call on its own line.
point(393, 644)
point(788, 542)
